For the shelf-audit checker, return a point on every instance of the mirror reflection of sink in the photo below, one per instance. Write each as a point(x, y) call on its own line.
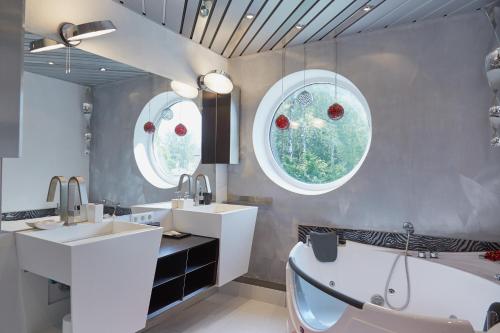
point(98, 261)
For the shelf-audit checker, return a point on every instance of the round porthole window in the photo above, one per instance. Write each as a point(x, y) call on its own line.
point(174, 147)
point(312, 138)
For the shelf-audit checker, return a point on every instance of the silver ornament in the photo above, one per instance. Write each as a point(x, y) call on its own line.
point(304, 99)
point(167, 114)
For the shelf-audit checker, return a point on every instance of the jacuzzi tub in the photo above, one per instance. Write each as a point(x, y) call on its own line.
point(335, 297)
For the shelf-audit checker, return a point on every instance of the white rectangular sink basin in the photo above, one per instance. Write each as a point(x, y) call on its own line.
point(110, 267)
point(233, 225)
point(217, 208)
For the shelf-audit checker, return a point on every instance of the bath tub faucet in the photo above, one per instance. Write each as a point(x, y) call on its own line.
point(62, 209)
point(408, 227)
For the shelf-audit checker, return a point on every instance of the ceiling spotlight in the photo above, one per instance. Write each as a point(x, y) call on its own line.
point(205, 7)
point(184, 90)
point(367, 8)
point(70, 32)
point(51, 63)
point(250, 16)
point(299, 26)
point(216, 81)
point(102, 69)
point(44, 44)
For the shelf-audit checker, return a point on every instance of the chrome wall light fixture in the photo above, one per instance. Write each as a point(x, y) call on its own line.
point(216, 81)
point(70, 32)
point(71, 35)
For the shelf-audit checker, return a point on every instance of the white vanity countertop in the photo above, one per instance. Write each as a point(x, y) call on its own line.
point(20, 225)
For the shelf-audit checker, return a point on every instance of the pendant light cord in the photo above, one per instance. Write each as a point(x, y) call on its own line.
point(336, 66)
point(304, 66)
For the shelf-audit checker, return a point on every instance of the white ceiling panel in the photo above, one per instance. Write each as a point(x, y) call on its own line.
point(227, 30)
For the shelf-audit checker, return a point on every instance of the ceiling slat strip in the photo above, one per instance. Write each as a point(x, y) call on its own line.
point(237, 26)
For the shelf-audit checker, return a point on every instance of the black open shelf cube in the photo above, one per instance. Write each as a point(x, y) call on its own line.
point(170, 267)
point(200, 278)
point(202, 255)
point(166, 294)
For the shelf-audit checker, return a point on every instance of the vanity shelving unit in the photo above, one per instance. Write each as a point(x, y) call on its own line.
point(185, 267)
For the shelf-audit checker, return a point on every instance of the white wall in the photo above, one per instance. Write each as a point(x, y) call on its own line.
point(53, 127)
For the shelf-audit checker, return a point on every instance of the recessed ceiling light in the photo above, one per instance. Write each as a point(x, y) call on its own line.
point(102, 69)
point(250, 16)
point(367, 8)
point(299, 26)
point(51, 63)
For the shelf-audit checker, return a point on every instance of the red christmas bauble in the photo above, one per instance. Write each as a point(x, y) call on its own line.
point(282, 122)
point(335, 111)
point(149, 127)
point(181, 130)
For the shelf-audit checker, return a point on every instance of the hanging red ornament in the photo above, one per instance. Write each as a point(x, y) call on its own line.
point(149, 127)
point(282, 122)
point(335, 111)
point(180, 130)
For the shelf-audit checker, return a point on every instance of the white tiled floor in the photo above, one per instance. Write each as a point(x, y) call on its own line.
point(223, 313)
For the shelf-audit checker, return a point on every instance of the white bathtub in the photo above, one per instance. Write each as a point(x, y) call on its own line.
point(439, 293)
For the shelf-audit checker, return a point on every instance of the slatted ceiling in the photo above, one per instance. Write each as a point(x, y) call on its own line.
point(256, 26)
point(218, 16)
point(235, 13)
point(256, 8)
point(310, 16)
point(192, 9)
point(385, 8)
point(319, 22)
point(227, 31)
point(280, 15)
point(340, 17)
point(84, 66)
point(290, 24)
point(351, 20)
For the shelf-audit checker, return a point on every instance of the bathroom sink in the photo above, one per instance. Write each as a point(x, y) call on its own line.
point(233, 225)
point(110, 267)
point(217, 208)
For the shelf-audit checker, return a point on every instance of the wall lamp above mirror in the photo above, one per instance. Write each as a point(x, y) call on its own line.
point(216, 81)
point(72, 35)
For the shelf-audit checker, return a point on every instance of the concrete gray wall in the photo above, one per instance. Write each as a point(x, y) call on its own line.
point(430, 161)
point(114, 174)
point(53, 127)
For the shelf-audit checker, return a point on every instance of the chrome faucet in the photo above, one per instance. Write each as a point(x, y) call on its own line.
point(181, 182)
point(62, 210)
point(197, 187)
point(82, 196)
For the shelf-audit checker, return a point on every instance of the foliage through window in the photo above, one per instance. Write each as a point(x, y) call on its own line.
point(175, 155)
point(315, 149)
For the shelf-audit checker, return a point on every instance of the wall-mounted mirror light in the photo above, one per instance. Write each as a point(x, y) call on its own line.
point(184, 90)
point(70, 32)
point(72, 35)
point(216, 81)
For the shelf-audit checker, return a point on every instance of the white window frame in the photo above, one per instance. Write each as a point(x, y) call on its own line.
point(264, 120)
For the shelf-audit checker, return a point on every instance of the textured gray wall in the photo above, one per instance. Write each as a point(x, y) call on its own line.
point(430, 161)
point(113, 171)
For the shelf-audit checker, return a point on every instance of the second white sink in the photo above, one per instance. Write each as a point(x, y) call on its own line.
point(233, 225)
